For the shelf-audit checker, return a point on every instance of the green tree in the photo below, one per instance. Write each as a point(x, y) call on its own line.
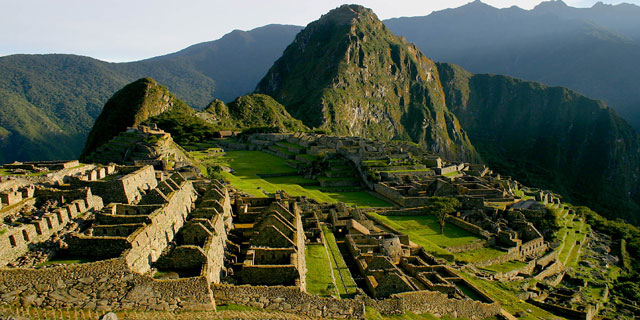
point(441, 207)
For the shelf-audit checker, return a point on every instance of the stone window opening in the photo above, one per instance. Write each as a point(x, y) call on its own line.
point(12, 240)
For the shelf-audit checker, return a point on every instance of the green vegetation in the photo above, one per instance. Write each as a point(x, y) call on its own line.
point(346, 285)
point(235, 307)
point(184, 125)
point(572, 232)
point(130, 106)
point(535, 149)
point(506, 267)
point(336, 80)
point(478, 255)
point(319, 280)
point(48, 103)
point(160, 274)
point(451, 174)
point(425, 231)
point(254, 111)
point(500, 292)
point(247, 170)
point(627, 285)
point(426, 227)
point(291, 145)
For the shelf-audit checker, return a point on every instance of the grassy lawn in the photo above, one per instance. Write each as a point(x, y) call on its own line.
point(451, 174)
point(319, 279)
point(375, 163)
point(346, 285)
point(247, 164)
point(418, 233)
point(506, 267)
point(427, 227)
point(570, 234)
point(289, 144)
point(283, 150)
point(291, 180)
point(235, 307)
point(250, 163)
point(7, 172)
point(580, 236)
point(308, 156)
point(478, 255)
point(412, 170)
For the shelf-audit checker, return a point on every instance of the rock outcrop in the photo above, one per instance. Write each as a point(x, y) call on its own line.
point(348, 74)
point(130, 106)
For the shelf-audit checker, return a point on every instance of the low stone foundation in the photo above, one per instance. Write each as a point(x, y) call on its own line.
point(291, 299)
point(102, 285)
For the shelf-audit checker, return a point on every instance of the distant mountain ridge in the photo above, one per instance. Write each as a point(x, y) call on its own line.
point(594, 51)
point(549, 137)
point(59, 96)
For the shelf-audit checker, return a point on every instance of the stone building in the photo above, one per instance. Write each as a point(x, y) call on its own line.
point(276, 250)
point(138, 232)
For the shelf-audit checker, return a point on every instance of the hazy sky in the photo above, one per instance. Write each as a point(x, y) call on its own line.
point(126, 30)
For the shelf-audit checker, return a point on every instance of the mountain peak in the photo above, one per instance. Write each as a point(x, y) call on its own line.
point(551, 5)
point(348, 74)
point(348, 14)
point(477, 5)
point(130, 106)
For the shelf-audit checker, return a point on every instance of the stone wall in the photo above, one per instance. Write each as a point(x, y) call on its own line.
point(565, 312)
point(142, 179)
point(288, 299)
point(439, 304)
point(479, 244)
point(147, 243)
point(468, 227)
point(547, 258)
point(126, 189)
point(269, 274)
point(552, 269)
point(15, 241)
point(102, 285)
point(144, 245)
point(214, 250)
point(291, 299)
point(507, 276)
point(533, 247)
point(398, 198)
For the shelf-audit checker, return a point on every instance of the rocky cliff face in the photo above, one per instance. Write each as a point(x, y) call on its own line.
point(130, 106)
point(549, 137)
point(348, 74)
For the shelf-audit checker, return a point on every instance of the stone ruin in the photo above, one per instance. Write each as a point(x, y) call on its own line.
point(275, 251)
point(141, 145)
point(157, 239)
